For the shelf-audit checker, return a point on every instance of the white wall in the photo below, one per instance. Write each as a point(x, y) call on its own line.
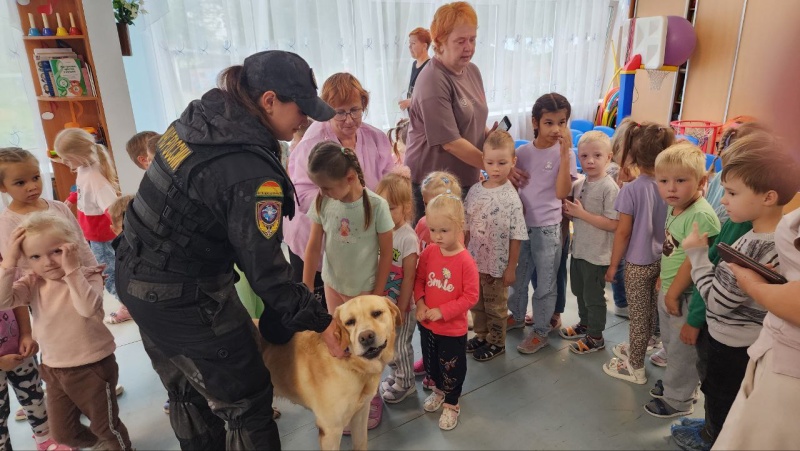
point(113, 88)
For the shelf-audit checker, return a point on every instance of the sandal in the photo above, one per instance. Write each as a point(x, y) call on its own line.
point(488, 352)
point(658, 390)
point(529, 319)
point(573, 332)
point(474, 343)
point(433, 401)
point(120, 316)
point(587, 345)
point(449, 419)
point(659, 408)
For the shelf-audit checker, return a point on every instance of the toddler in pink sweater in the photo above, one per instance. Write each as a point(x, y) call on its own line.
point(66, 302)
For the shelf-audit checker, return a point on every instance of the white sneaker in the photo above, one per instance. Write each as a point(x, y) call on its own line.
point(659, 358)
point(622, 312)
point(618, 368)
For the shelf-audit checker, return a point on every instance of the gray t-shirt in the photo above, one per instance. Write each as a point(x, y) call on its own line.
point(445, 107)
point(588, 242)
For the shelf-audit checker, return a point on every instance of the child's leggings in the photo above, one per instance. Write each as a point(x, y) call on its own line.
point(28, 388)
point(640, 290)
point(445, 360)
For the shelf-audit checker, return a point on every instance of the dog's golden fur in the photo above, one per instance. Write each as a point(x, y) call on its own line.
point(338, 390)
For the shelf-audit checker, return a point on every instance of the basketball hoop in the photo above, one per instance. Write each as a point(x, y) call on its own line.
point(705, 132)
point(656, 78)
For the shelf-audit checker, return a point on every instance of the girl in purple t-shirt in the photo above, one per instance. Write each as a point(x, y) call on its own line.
point(639, 238)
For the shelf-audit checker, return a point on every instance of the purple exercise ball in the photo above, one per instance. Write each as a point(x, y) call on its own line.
point(681, 40)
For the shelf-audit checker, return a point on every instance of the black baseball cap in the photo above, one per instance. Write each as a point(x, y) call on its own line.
point(288, 75)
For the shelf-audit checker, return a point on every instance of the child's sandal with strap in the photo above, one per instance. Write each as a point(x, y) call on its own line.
point(573, 332)
point(587, 345)
point(474, 343)
point(488, 352)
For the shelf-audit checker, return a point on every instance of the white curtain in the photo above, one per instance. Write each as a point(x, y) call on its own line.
point(526, 48)
point(20, 125)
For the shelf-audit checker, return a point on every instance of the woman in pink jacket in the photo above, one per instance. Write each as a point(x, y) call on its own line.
point(349, 99)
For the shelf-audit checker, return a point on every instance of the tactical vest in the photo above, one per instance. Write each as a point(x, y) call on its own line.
point(172, 232)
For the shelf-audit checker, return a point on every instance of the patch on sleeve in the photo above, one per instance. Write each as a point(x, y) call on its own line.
point(270, 188)
point(268, 217)
point(172, 149)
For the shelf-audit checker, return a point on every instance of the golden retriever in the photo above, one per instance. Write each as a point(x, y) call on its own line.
point(338, 390)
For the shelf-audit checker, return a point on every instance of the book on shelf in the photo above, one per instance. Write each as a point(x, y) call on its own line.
point(42, 58)
point(68, 78)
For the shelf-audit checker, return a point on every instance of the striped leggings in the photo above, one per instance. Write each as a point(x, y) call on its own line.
point(640, 289)
point(402, 367)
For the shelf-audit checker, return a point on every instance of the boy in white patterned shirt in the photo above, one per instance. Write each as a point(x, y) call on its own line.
point(594, 221)
point(495, 226)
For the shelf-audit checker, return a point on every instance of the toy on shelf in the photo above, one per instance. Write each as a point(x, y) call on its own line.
point(33, 31)
point(60, 31)
point(46, 30)
point(73, 30)
point(656, 44)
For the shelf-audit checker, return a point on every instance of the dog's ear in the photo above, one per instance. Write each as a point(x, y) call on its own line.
point(395, 311)
point(340, 332)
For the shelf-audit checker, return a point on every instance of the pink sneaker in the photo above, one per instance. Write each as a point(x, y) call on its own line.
point(375, 414)
point(52, 445)
point(419, 368)
point(428, 383)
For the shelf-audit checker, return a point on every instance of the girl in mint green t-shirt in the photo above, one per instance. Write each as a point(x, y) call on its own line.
point(356, 224)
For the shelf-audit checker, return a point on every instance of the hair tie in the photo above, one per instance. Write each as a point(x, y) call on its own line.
point(427, 180)
point(344, 150)
point(445, 180)
point(448, 191)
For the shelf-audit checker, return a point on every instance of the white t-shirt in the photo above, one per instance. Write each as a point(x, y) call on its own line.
point(493, 218)
point(95, 192)
point(404, 243)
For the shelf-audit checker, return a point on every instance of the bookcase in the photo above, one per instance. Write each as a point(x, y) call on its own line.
point(89, 106)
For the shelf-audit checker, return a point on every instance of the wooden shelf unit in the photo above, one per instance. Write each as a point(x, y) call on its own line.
point(93, 113)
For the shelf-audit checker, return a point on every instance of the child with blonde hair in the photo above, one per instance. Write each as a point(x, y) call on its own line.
point(396, 189)
point(98, 188)
point(350, 224)
point(681, 176)
point(66, 301)
point(446, 286)
point(594, 221)
point(495, 227)
point(639, 238)
point(434, 184)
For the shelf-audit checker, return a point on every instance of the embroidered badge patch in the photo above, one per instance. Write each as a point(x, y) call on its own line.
point(270, 188)
point(268, 217)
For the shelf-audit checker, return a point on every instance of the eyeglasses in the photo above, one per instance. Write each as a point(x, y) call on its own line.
point(355, 114)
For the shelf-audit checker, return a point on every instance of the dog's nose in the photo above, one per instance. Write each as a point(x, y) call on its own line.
point(366, 338)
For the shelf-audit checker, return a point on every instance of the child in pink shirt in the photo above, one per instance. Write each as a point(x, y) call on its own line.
point(446, 286)
point(66, 301)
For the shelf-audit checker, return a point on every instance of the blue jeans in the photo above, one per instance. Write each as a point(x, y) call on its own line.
point(618, 287)
point(541, 253)
point(104, 254)
point(561, 279)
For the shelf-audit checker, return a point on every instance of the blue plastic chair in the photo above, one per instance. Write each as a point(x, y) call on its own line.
point(717, 164)
point(607, 130)
point(577, 161)
point(576, 136)
point(582, 125)
point(520, 142)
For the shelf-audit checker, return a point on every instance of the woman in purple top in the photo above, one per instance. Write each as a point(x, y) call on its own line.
point(350, 100)
point(448, 110)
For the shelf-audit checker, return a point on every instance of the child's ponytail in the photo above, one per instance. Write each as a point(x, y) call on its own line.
point(106, 168)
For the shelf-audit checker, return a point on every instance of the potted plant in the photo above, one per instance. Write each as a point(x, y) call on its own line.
point(125, 12)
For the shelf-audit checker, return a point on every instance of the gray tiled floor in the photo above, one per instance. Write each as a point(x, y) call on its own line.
point(550, 400)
